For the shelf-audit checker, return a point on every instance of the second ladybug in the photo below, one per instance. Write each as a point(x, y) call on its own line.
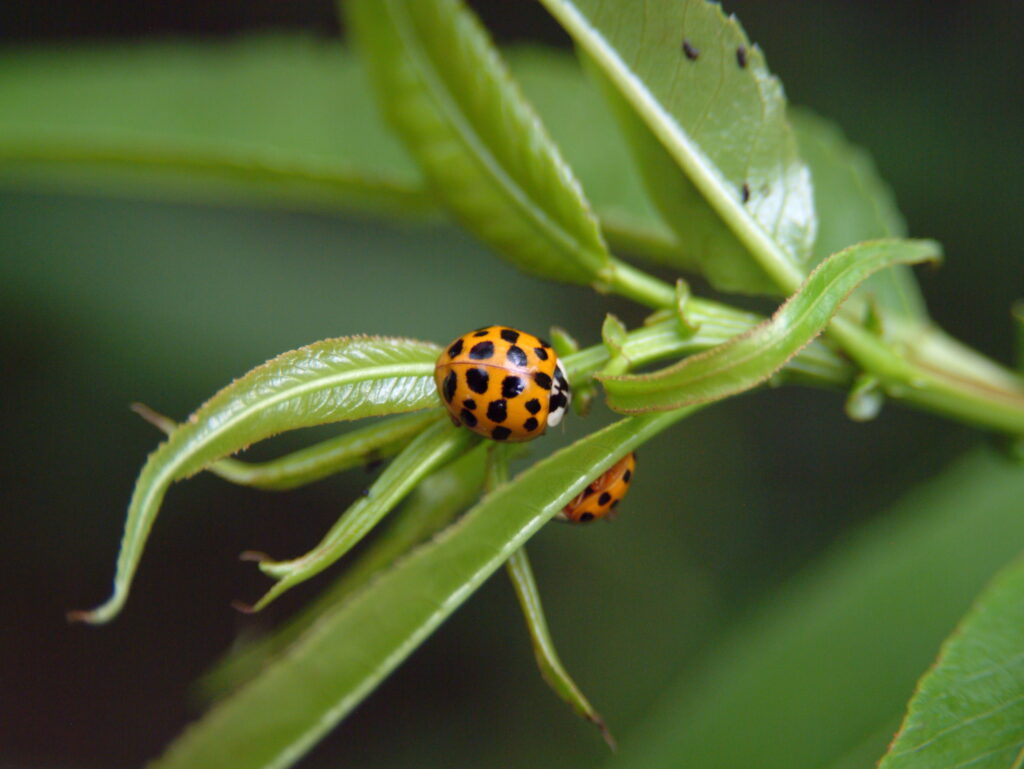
point(503, 384)
point(603, 494)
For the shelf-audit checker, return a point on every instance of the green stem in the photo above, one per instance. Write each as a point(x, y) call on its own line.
point(628, 281)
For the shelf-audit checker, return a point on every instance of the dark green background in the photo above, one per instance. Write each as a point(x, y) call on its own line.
point(107, 300)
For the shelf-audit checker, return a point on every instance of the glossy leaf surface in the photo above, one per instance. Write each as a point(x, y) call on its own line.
point(749, 359)
point(969, 709)
point(275, 719)
point(330, 381)
point(692, 75)
point(451, 98)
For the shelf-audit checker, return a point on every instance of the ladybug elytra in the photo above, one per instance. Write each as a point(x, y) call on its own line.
point(502, 383)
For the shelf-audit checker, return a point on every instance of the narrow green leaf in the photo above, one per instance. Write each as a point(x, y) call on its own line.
point(692, 75)
point(258, 119)
point(827, 662)
point(747, 360)
point(329, 381)
point(853, 205)
point(433, 504)
point(428, 452)
point(273, 721)
point(550, 664)
point(450, 97)
point(356, 447)
point(969, 709)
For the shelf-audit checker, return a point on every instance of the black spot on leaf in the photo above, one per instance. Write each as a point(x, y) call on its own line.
point(691, 53)
point(741, 56)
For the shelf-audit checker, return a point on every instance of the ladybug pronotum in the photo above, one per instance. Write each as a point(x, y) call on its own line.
point(503, 384)
point(603, 494)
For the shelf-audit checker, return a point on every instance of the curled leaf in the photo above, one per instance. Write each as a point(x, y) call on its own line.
point(749, 359)
point(329, 381)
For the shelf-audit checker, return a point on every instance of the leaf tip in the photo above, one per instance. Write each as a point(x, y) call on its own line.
point(242, 607)
point(100, 615)
point(253, 556)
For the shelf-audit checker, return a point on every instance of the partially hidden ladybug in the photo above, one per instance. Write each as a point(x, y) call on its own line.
point(603, 494)
point(503, 384)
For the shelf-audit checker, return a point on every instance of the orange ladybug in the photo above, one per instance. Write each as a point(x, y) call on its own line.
point(504, 384)
point(603, 494)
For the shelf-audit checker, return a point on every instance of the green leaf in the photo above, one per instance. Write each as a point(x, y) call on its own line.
point(827, 663)
point(433, 504)
point(354, 448)
point(853, 205)
point(329, 381)
point(273, 721)
point(706, 245)
point(749, 359)
point(428, 452)
point(482, 147)
point(264, 118)
point(969, 709)
point(705, 92)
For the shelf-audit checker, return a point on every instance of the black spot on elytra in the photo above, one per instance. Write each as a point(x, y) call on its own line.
point(500, 433)
point(543, 380)
point(741, 56)
point(455, 349)
point(587, 517)
point(477, 379)
point(496, 410)
point(511, 386)
point(481, 350)
point(541, 353)
point(530, 425)
point(626, 476)
point(469, 403)
point(745, 192)
point(588, 491)
point(691, 52)
point(533, 405)
point(544, 343)
point(509, 335)
point(604, 499)
point(468, 417)
point(558, 401)
point(448, 388)
point(516, 356)
point(483, 331)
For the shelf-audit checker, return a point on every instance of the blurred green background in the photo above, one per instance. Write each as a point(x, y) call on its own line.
point(107, 299)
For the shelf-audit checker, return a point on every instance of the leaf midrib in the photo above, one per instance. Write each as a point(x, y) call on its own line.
point(441, 96)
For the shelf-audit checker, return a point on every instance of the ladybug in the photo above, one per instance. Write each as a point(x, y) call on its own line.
point(603, 494)
point(503, 384)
